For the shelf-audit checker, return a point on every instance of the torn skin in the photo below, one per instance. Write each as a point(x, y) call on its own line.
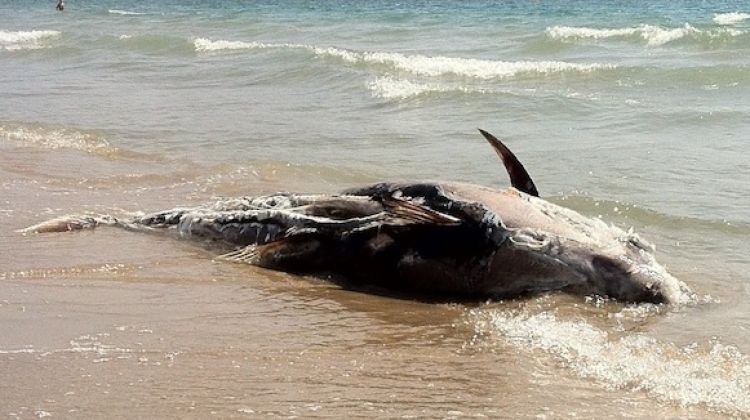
point(429, 239)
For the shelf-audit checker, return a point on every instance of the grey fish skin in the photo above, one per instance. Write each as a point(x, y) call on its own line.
point(448, 239)
point(427, 239)
point(427, 244)
point(548, 247)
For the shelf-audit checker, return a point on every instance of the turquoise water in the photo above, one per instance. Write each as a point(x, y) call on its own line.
point(635, 111)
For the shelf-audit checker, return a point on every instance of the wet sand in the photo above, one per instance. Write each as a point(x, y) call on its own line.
point(179, 336)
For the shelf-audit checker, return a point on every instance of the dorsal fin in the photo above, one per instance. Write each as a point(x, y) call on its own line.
point(519, 178)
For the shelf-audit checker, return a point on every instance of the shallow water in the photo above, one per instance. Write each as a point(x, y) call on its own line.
point(636, 113)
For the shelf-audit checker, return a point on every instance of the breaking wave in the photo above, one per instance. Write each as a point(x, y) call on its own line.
point(714, 375)
point(152, 43)
point(654, 36)
point(55, 139)
point(391, 88)
point(25, 40)
point(123, 12)
point(730, 18)
point(468, 67)
point(205, 45)
point(420, 65)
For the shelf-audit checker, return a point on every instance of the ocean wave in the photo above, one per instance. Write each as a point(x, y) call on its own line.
point(48, 138)
point(715, 375)
point(151, 43)
point(420, 65)
point(565, 32)
point(391, 88)
point(466, 67)
point(730, 18)
point(395, 89)
point(25, 40)
point(206, 45)
point(653, 35)
point(123, 12)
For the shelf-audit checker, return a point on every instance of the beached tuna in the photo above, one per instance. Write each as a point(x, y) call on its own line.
point(445, 239)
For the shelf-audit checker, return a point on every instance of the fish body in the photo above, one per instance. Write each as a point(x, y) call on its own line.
point(447, 239)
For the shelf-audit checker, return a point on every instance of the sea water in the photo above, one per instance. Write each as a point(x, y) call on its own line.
point(636, 112)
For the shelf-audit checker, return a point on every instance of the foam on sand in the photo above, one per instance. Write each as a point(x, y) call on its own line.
point(421, 65)
point(730, 18)
point(25, 40)
point(714, 375)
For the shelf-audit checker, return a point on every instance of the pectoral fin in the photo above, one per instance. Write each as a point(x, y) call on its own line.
point(406, 212)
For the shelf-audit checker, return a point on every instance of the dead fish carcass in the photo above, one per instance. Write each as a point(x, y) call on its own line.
point(449, 239)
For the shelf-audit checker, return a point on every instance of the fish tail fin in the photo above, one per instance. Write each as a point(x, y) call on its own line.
point(70, 222)
point(138, 222)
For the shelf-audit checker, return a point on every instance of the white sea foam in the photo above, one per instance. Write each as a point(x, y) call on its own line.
point(80, 345)
point(124, 12)
point(19, 351)
point(391, 88)
point(716, 375)
point(465, 67)
point(468, 67)
point(204, 45)
point(418, 64)
point(564, 32)
point(55, 139)
point(653, 35)
point(656, 36)
point(25, 40)
point(730, 18)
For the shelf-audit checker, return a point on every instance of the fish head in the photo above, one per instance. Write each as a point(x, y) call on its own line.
point(625, 269)
point(591, 256)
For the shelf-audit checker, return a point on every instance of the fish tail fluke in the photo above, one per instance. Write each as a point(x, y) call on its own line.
point(141, 223)
point(70, 222)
